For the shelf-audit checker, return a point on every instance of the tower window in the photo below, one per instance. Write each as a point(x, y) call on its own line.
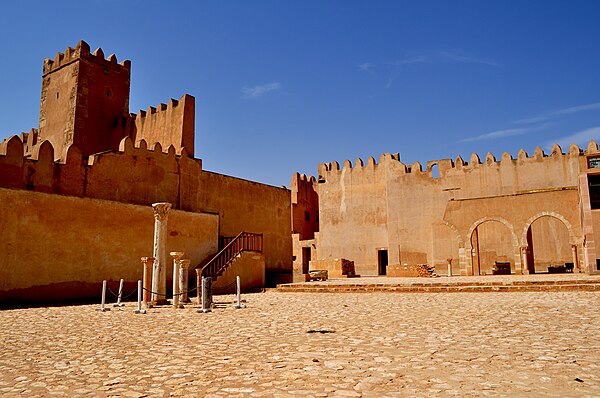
point(306, 216)
point(108, 93)
point(56, 95)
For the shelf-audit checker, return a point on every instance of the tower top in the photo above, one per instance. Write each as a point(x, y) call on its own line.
point(82, 51)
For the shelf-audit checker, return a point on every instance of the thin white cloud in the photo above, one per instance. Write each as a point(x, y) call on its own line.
point(259, 91)
point(421, 59)
point(493, 135)
point(496, 134)
point(582, 138)
point(559, 112)
point(434, 57)
point(459, 56)
point(367, 66)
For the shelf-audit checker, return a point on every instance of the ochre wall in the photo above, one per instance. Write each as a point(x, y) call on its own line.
point(142, 175)
point(353, 215)
point(250, 267)
point(57, 247)
point(305, 202)
point(169, 124)
point(252, 207)
point(420, 219)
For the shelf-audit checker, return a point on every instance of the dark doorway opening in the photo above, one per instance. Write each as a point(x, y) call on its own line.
point(305, 259)
point(382, 261)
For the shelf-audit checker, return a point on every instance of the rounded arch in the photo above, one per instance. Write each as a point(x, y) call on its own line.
point(461, 242)
point(515, 239)
point(531, 220)
point(516, 252)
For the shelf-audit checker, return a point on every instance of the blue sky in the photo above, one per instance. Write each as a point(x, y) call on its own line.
point(282, 86)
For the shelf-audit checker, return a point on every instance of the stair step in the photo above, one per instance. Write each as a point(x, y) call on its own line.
point(439, 288)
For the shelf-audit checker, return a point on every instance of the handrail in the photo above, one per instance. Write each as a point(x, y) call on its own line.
point(244, 241)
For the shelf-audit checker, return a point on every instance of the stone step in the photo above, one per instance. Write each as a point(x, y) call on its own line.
point(520, 286)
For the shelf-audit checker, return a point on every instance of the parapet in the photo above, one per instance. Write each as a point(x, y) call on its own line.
point(170, 124)
point(447, 165)
point(82, 51)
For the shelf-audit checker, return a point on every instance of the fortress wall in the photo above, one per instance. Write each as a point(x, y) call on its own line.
point(142, 176)
point(56, 247)
point(353, 214)
point(134, 175)
point(253, 207)
point(169, 124)
point(404, 208)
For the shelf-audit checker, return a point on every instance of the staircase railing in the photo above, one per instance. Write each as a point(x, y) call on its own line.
point(244, 241)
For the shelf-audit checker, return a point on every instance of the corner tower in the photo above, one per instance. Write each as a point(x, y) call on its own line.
point(85, 100)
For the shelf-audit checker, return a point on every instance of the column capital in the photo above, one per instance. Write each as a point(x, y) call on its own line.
point(176, 255)
point(185, 263)
point(147, 260)
point(161, 210)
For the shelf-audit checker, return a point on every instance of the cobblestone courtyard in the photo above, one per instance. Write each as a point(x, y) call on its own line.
point(379, 344)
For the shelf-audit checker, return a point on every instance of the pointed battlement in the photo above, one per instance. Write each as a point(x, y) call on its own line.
point(447, 166)
point(82, 51)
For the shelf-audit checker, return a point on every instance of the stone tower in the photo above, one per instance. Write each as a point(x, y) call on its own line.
point(85, 100)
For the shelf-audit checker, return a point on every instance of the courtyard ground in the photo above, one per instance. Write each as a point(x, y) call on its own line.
point(307, 344)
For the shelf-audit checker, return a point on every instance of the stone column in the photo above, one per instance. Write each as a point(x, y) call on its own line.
point(449, 266)
point(159, 272)
point(176, 287)
point(525, 261)
point(147, 278)
point(199, 284)
point(184, 265)
point(575, 259)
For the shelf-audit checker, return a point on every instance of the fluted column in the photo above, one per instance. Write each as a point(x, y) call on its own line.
point(159, 272)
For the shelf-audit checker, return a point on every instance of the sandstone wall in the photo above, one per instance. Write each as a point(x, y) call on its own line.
point(248, 206)
point(305, 206)
point(422, 218)
point(142, 175)
point(169, 124)
point(56, 247)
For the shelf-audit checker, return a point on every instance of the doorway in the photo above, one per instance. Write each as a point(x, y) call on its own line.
point(305, 259)
point(382, 261)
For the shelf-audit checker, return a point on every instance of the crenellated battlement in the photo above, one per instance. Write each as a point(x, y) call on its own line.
point(45, 169)
point(171, 124)
point(82, 51)
point(459, 164)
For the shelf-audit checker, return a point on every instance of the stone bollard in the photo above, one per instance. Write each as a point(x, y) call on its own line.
point(184, 266)
point(176, 288)
point(103, 302)
point(120, 295)
point(139, 309)
point(159, 272)
point(206, 294)
point(147, 263)
point(238, 292)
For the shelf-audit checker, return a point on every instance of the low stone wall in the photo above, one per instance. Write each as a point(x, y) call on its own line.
point(250, 266)
point(409, 270)
point(336, 268)
point(61, 247)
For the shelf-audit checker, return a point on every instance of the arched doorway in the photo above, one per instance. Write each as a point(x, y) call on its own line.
point(492, 241)
point(548, 244)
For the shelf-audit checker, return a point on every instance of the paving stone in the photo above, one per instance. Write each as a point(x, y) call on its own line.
point(384, 345)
